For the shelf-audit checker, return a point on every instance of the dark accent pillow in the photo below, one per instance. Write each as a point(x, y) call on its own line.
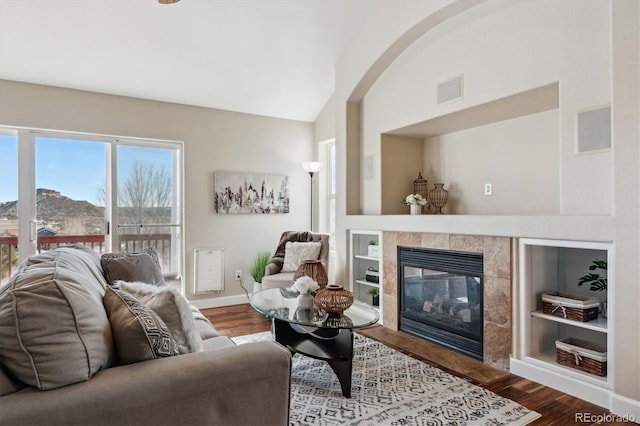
point(139, 334)
point(142, 266)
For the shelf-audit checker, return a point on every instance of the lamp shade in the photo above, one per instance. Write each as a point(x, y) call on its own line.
point(311, 166)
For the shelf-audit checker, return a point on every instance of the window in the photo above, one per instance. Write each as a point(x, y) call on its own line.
point(8, 203)
point(328, 190)
point(106, 193)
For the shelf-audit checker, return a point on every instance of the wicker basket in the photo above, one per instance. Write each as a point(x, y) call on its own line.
point(581, 355)
point(577, 308)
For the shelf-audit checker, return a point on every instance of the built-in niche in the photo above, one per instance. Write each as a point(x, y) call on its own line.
point(512, 143)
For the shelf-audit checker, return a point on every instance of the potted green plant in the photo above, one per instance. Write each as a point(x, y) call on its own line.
point(257, 268)
point(596, 281)
point(373, 249)
point(375, 296)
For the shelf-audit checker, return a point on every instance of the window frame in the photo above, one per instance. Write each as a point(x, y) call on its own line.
point(27, 243)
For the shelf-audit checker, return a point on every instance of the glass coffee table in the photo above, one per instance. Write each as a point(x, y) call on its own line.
point(312, 332)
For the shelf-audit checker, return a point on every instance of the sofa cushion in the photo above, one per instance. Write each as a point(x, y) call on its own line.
point(174, 310)
point(296, 252)
point(206, 330)
point(139, 333)
point(53, 328)
point(8, 385)
point(139, 266)
point(216, 343)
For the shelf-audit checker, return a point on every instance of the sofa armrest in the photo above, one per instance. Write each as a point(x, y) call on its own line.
point(204, 388)
point(272, 269)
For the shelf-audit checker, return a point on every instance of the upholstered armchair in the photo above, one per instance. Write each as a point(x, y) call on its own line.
point(287, 257)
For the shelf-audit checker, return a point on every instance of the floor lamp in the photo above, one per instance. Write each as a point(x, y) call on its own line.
point(311, 167)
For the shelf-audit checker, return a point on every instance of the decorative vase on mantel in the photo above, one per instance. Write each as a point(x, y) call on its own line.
point(415, 208)
point(438, 197)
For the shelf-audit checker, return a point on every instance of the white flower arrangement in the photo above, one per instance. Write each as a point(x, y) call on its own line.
point(415, 199)
point(305, 285)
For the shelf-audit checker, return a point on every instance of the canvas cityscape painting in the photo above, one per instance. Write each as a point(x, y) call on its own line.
point(257, 193)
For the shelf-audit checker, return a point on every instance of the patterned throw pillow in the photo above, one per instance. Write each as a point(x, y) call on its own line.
point(141, 266)
point(296, 252)
point(139, 333)
point(172, 307)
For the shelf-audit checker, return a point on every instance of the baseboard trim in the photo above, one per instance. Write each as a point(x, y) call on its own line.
point(628, 409)
point(562, 382)
point(216, 302)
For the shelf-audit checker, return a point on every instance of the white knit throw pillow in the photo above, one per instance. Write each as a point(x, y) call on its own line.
point(295, 253)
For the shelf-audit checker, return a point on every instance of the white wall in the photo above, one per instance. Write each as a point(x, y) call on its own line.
point(492, 48)
point(213, 140)
point(519, 157)
point(505, 47)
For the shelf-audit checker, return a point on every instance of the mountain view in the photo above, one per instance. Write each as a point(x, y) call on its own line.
point(60, 214)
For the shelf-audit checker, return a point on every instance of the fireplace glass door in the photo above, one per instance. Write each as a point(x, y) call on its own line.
point(443, 305)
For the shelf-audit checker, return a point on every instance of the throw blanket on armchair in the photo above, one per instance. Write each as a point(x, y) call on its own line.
point(293, 236)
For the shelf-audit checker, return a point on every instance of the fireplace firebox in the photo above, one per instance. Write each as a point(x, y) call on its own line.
point(441, 298)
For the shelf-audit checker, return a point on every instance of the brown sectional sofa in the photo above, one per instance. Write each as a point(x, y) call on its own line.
point(59, 364)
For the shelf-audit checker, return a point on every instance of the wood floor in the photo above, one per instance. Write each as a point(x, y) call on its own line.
point(556, 408)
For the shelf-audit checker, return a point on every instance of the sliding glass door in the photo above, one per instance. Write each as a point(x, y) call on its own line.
point(148, 206)
point(106, 193)
point(70, 192)
point(8, 203)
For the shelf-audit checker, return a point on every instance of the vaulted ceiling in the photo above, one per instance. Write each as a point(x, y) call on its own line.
point(266, 57)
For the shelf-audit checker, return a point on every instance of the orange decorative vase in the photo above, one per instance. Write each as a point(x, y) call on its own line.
point(314, 269)
point(334, 299)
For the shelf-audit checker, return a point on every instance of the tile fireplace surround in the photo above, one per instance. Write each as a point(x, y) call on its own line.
point(497, 284)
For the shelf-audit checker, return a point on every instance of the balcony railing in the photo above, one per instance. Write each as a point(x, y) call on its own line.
point(126, 242)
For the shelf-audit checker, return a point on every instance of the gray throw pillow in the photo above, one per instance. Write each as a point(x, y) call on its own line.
point(54, 330)
point(139, 334)
point(174, 310)
point(140, 266)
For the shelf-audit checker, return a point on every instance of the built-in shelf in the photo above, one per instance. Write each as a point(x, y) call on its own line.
point(361, 261)
point(556, 266)
point(599, 324)
point(360, 256)
point(362, 281)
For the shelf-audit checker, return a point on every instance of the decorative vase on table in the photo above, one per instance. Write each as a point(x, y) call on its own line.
point(305, 301)
point(415, 208)
point(438, 197)
point(334, 299)
point(314, 269)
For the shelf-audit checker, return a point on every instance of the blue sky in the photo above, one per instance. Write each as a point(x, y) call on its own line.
point(75, 168)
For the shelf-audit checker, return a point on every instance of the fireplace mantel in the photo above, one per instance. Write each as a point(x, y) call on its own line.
point(497, 281)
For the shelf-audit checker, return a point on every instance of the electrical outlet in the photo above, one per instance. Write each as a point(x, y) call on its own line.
point(238, 274)
point(488, 189)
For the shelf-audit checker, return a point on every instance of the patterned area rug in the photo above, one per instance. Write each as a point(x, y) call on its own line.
point(391, 388)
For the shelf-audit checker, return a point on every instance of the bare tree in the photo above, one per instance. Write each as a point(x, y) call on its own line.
point(145, 195)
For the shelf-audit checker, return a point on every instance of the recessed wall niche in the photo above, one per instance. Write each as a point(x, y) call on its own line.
point(511, 142)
